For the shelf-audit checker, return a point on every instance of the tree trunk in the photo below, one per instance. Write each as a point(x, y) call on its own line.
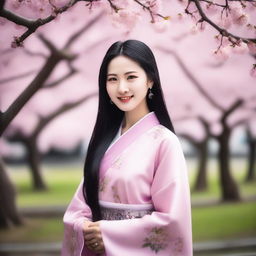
point(251, 158)
point(229, 187)
point(33, 157)
point(9, 215)
point(201, 179)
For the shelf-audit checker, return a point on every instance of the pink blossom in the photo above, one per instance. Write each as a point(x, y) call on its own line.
point(180, 16)
point(239, 17)
point(156, 6)
point(183, 2)
point(241, 48)
point(252, 47)
point(250, 27)
point(222, 54)
point(194, 30)
point(222, 40)
point(202, 26)
point(210, 8)
point(161, 26)
point(253, 71)
point(125, 18)
point(2, 21)
point(225, 22)
point(15, 4)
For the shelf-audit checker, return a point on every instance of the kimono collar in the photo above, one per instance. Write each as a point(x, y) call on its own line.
point(140, 127)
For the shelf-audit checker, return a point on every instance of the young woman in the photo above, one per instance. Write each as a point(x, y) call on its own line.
point(134, 198)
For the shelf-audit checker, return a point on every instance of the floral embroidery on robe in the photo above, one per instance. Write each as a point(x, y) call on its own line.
point(157, 239)
point(177, 246)
point(157, 132)
point(116, 195)
point(118, 163)
point(103, 184)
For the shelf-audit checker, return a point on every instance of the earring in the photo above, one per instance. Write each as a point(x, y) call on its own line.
point(151, 94)
point(111, 102)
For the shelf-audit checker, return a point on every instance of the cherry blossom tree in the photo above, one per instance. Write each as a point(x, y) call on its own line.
point(251, 142)
point(9, 213)
point(30, 141)
point(201, 146)
point(222, 16)
point(229, 188)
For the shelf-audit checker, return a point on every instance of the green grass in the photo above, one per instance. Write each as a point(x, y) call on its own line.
point(62, 182)
point(35, 230)
point(225, 221)
point(238, 167)
point(61, 186)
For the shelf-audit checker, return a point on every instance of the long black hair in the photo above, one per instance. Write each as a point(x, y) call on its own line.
point(109, 116)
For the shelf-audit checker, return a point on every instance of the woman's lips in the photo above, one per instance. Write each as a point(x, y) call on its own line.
point(125, 99)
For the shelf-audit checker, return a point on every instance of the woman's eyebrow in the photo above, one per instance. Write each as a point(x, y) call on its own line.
point(129, 72)
point(126, 73)
point(111, 75)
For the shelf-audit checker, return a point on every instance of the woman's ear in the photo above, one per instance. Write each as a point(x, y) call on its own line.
point(150, 84)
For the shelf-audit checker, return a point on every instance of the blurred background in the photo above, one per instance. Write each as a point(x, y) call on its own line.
point(211, 99)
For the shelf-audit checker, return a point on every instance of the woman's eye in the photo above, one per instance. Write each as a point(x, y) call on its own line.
point(112, 79)
point(131, 77)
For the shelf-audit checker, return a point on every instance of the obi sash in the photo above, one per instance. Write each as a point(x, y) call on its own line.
point(116, 211)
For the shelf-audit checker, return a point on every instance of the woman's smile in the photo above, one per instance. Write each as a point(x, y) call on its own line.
point(125, 99)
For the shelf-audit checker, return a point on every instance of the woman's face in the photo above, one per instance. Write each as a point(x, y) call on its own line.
point(127, 84)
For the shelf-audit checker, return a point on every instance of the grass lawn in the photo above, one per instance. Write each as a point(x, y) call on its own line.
point(62, 182)
point(223, 221)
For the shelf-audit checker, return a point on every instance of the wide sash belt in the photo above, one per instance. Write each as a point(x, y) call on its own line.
point(116, 211)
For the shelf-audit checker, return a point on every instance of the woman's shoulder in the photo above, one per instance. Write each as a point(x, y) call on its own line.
point(161, 133)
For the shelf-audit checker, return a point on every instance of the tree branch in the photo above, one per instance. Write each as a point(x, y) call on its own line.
point(197, 84)
point(64, 108)
point(60, 80)
point(10, 79)
point(82, 30)
point(231, 109)
point(32, 88)
point(33, 25)
point(222, 31)
point(34, 54)
point(152, 14)
point(55, 57)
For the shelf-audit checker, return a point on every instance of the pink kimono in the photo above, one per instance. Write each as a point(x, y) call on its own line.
point(144, 195)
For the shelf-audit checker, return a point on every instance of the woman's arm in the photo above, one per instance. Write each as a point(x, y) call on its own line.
point(75, 221)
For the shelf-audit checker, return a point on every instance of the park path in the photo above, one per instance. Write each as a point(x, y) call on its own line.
point(237, 247)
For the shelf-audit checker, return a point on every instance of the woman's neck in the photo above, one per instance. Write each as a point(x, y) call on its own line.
point(131, 118)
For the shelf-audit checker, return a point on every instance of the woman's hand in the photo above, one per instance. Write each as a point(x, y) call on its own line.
point(92, 237)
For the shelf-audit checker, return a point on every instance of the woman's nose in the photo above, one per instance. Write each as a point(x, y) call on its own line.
point(123, 87)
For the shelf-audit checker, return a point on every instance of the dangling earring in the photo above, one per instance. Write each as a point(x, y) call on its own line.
point(151, 94)
point(111, 102)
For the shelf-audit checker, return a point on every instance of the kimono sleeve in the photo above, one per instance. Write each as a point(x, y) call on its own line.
point(77, 212)
point(167, 231)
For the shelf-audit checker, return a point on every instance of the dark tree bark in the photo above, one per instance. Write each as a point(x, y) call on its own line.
point(201, 183)
point(9, 214)
point(33, 156)
point(229, 187)
point(251, 157)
